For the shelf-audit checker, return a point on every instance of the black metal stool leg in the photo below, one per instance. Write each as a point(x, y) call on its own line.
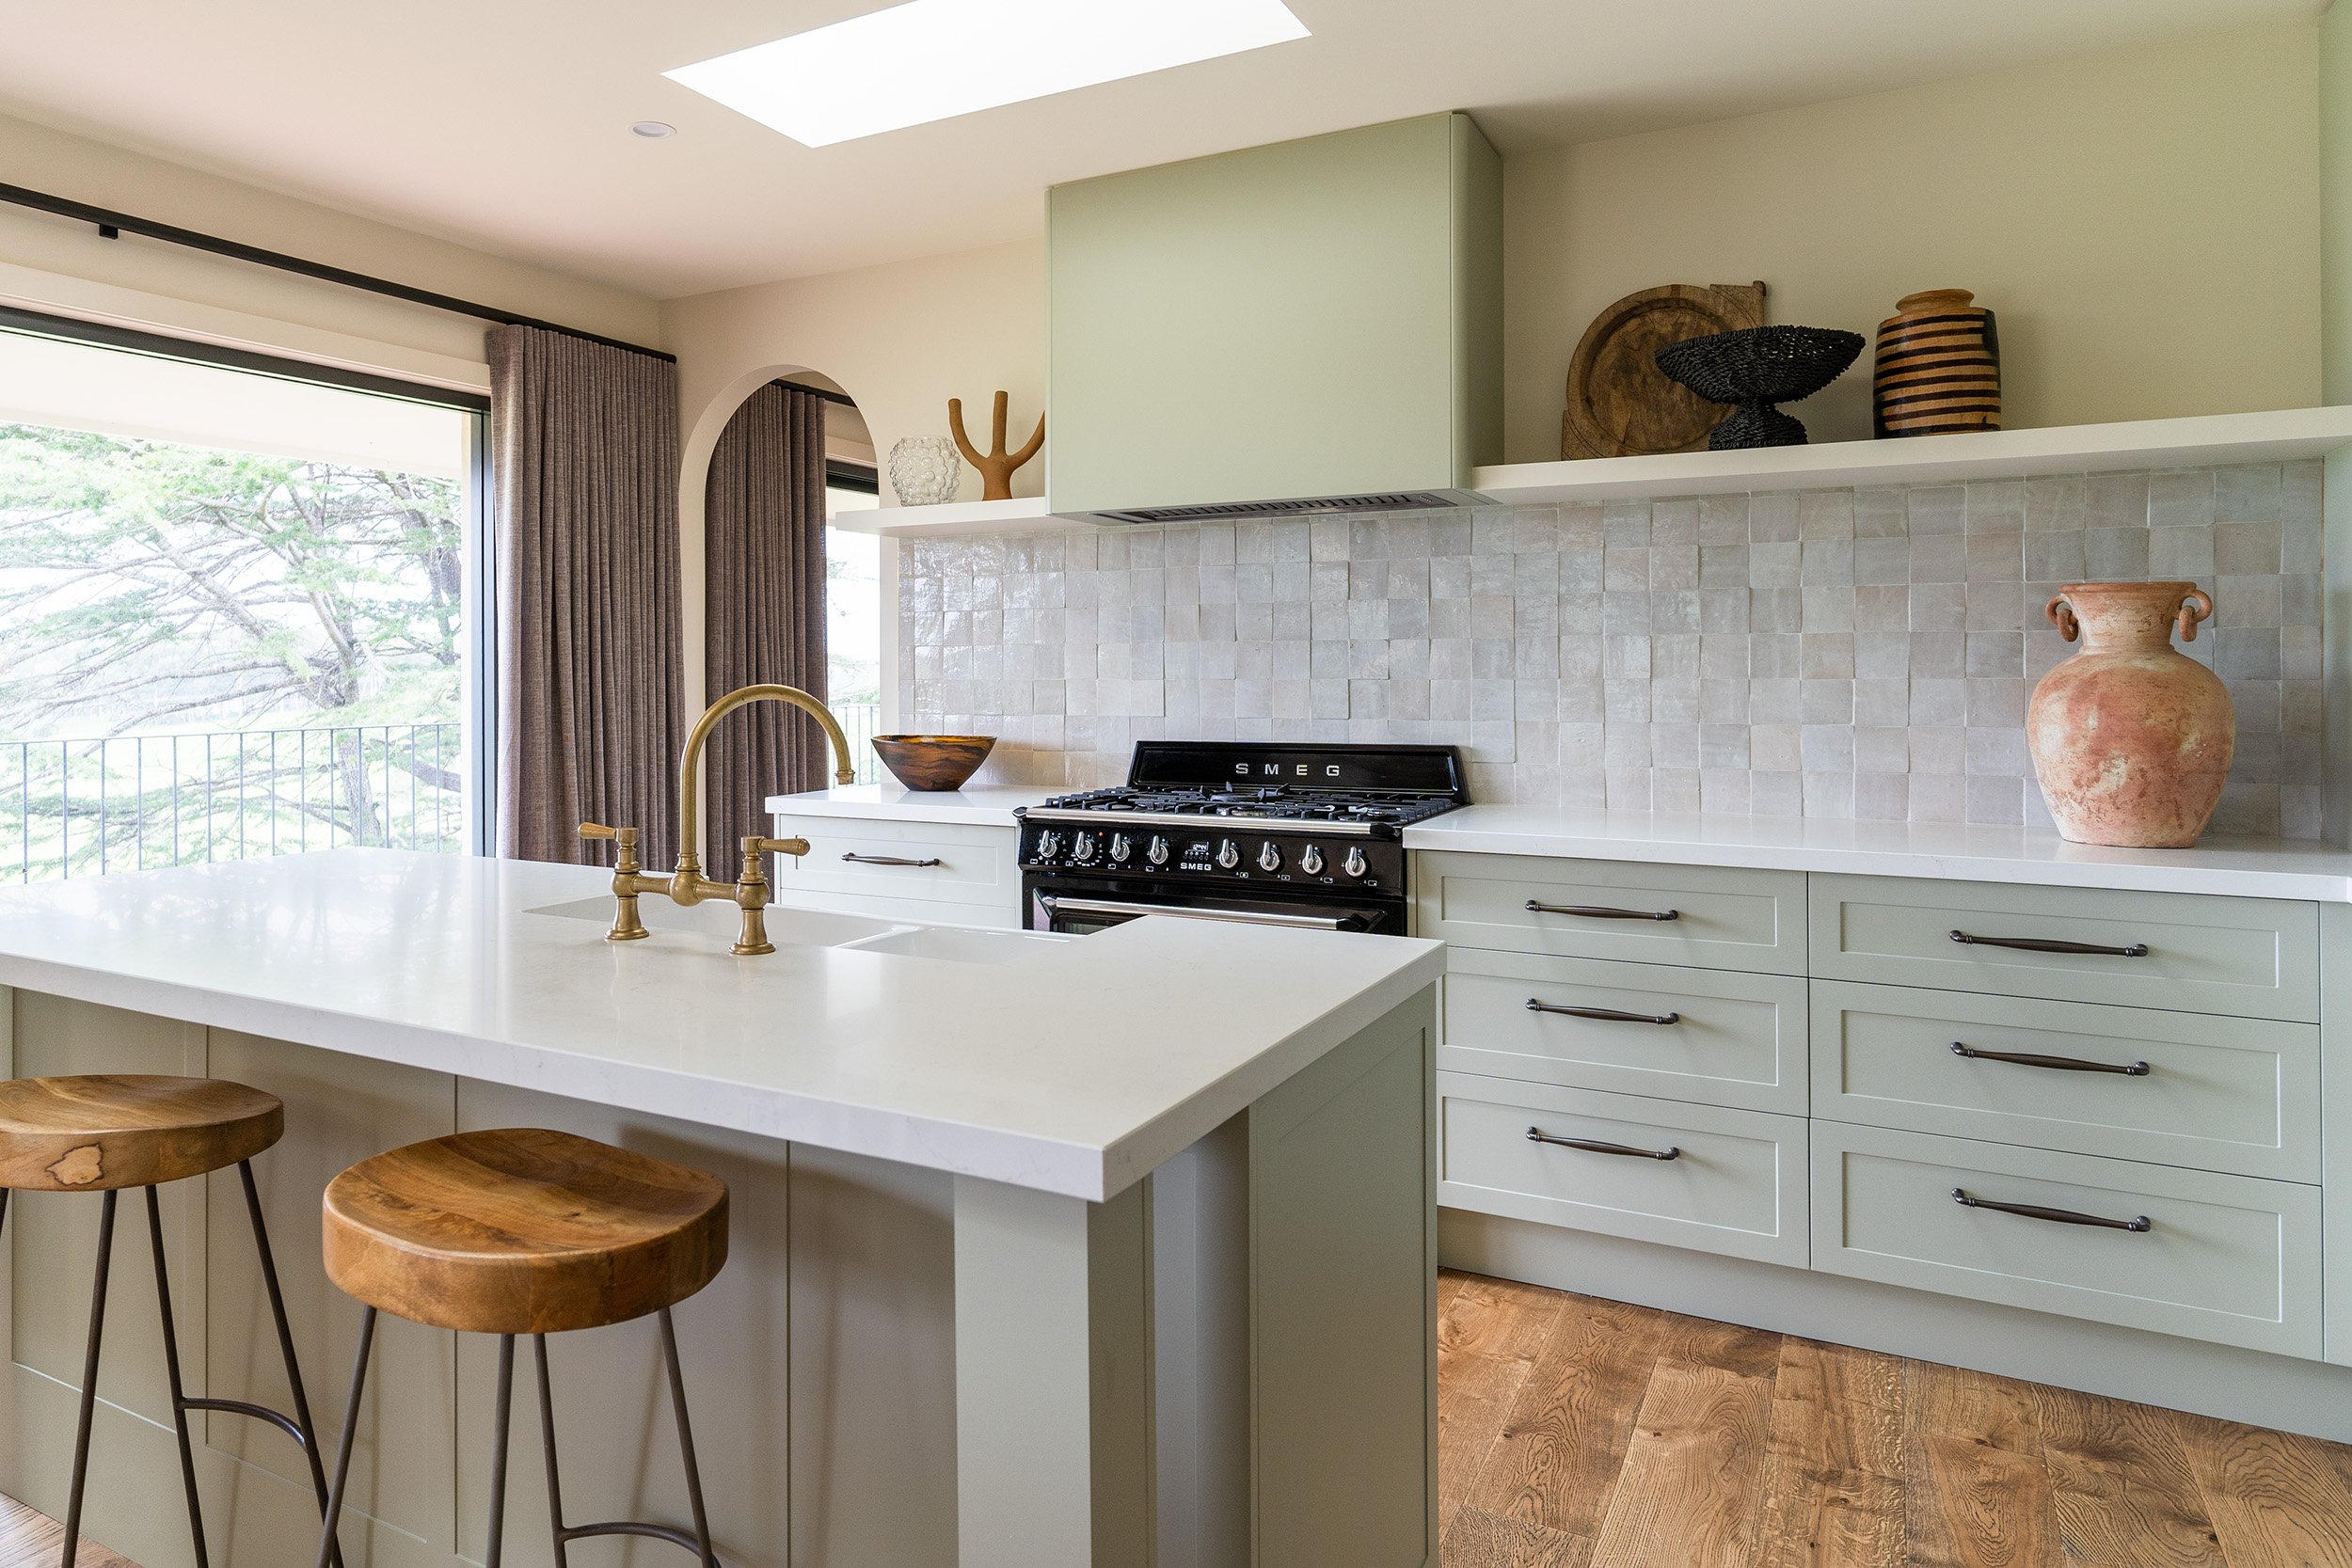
point(308, 1429)
point(89, 1377)
point(547, 1442)
point(498, 1452)
point(171, 1371)
point(328, 1543)
point(686, 1442)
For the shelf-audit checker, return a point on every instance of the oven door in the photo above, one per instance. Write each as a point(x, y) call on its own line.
point(1077, 906)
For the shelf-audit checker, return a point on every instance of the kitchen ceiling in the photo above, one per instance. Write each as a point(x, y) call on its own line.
point(506, 125)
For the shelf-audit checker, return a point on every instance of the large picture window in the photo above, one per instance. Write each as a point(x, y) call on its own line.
point(237, 611)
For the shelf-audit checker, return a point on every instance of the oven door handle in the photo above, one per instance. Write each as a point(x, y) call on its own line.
point(1056, 903)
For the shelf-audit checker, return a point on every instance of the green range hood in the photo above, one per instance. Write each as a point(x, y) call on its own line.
point(1311, 326)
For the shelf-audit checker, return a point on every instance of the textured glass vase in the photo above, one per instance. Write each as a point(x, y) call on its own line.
point(925, 471)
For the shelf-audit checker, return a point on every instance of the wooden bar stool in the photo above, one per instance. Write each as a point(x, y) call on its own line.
point(525, 1230)
point(108, 1132)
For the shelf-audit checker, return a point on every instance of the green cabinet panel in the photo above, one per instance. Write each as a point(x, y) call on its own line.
point(2225, 1094)
point(2255, 957)
point(1315, 318)
point(1735, 1038)
point(2227, 1258)
point(1719, 919)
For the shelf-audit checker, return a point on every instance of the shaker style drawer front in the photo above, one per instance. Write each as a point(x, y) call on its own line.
point(2227, 1258)
point(2254, 957)
point(1689, 1176)
point(1714, 1037)
point(2237, 1094)
point(944, 862)
point(1675, 915)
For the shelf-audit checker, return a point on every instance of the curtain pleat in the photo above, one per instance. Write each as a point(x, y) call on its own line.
point(765, 601)
point(585, 449)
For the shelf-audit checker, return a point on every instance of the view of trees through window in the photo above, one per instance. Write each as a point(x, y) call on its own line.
point(211, 654)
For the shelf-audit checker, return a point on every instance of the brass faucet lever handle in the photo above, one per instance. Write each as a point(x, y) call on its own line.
point(625, 837)
point(753, 844)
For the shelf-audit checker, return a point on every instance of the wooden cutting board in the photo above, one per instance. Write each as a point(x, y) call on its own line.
point(1620, 404)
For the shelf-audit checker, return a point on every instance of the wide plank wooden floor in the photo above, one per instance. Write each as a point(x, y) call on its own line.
point(1575, 1432)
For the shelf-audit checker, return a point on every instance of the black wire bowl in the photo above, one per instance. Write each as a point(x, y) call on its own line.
point(1755, 367)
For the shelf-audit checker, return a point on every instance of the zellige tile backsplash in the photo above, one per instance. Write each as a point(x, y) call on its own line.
point(1832, 653)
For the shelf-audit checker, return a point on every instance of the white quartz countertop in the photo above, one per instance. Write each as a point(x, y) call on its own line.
point(992, 806)
point(1076, 1068)
point(2244, 867)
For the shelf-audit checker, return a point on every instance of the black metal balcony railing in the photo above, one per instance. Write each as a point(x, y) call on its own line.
point(139, 803)
point(87, 807)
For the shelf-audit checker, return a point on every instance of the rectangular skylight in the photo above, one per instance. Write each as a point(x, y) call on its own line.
point(935, 59)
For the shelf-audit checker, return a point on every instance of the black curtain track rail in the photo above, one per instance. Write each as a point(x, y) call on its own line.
point(113, 224)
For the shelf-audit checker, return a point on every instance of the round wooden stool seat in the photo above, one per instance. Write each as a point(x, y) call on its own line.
point(522, 1230)
point(120, 1130)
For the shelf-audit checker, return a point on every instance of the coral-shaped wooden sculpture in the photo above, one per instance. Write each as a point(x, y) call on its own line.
point(996, 467)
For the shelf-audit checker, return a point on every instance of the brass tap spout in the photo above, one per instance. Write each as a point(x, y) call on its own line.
point(687, 885)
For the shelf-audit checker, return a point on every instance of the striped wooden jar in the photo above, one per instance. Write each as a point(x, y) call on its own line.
point(1939, 367)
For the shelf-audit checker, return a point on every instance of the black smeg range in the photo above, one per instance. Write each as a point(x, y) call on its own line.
point(1270, 834)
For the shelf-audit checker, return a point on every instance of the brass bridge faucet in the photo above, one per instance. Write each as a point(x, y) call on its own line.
point(687, 885)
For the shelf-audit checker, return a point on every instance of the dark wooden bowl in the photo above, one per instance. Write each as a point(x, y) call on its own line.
point(933, 761)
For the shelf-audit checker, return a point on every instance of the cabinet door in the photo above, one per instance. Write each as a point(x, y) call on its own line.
point(2229, 1094)
point(1712, 1036)
point(2254, 957)
point(948, 871)
point(2227, 1258)
point(1675, 915)
point(1721, 1180)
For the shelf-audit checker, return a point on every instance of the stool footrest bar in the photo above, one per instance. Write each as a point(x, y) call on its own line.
point(633, 1527)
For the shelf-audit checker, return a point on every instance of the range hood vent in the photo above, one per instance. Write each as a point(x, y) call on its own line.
point(1413, 500)
point(1317, 319)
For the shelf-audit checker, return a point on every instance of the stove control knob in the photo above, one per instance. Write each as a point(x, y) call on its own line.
point(1269, 857)
point(1156, 852)
point(1228, 854)
point(1121, 846)
point(1048, 845)
point(1353, 866)
point(1082, 848)
point(1310, 860)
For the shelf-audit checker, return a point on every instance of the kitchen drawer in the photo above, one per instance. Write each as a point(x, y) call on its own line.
point(2224, 1094)
point(2256, 957)
point(1736, 1185)
point(848, 860)
point(1719, 919)
point(1734, 1038)
point(2229, 1259)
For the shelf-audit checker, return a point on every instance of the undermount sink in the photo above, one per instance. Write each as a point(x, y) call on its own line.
point(958, 944)
point(802, 927)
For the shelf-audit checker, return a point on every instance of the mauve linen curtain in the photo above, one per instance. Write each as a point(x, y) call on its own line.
point(584, 453)
point(765, 601)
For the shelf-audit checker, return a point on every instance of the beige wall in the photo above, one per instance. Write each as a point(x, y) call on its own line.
point(2145, 224)
point(51, 265)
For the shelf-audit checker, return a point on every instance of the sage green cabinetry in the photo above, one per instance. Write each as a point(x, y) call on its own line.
point(2225, 1094)
point(2210, 1006)
point(1710, 1036)
point(2254, 957)
point(1315, 318)
point(2227, 1258)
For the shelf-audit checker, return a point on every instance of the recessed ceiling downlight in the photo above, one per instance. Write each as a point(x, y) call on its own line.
point(653, 129)
point(934, 59)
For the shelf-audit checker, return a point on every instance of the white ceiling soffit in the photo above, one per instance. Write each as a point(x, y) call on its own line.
point(77, 386)
point(506, 125)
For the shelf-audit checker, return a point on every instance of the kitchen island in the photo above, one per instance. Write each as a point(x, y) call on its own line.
point(1045, 1252)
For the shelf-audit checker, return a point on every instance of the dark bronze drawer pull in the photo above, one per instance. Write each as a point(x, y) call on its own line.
point(1601, 912)
point(1604, 1015)
point(888, 860)
point(1594, 1146)
point(2059, 1217)
point(2063, 1064)
point(2044, 944)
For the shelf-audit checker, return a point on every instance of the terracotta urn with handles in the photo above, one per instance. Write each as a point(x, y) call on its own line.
point(2131, 738)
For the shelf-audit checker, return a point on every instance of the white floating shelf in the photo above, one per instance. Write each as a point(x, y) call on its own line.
point(1021, 515)
point(2285, 434)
